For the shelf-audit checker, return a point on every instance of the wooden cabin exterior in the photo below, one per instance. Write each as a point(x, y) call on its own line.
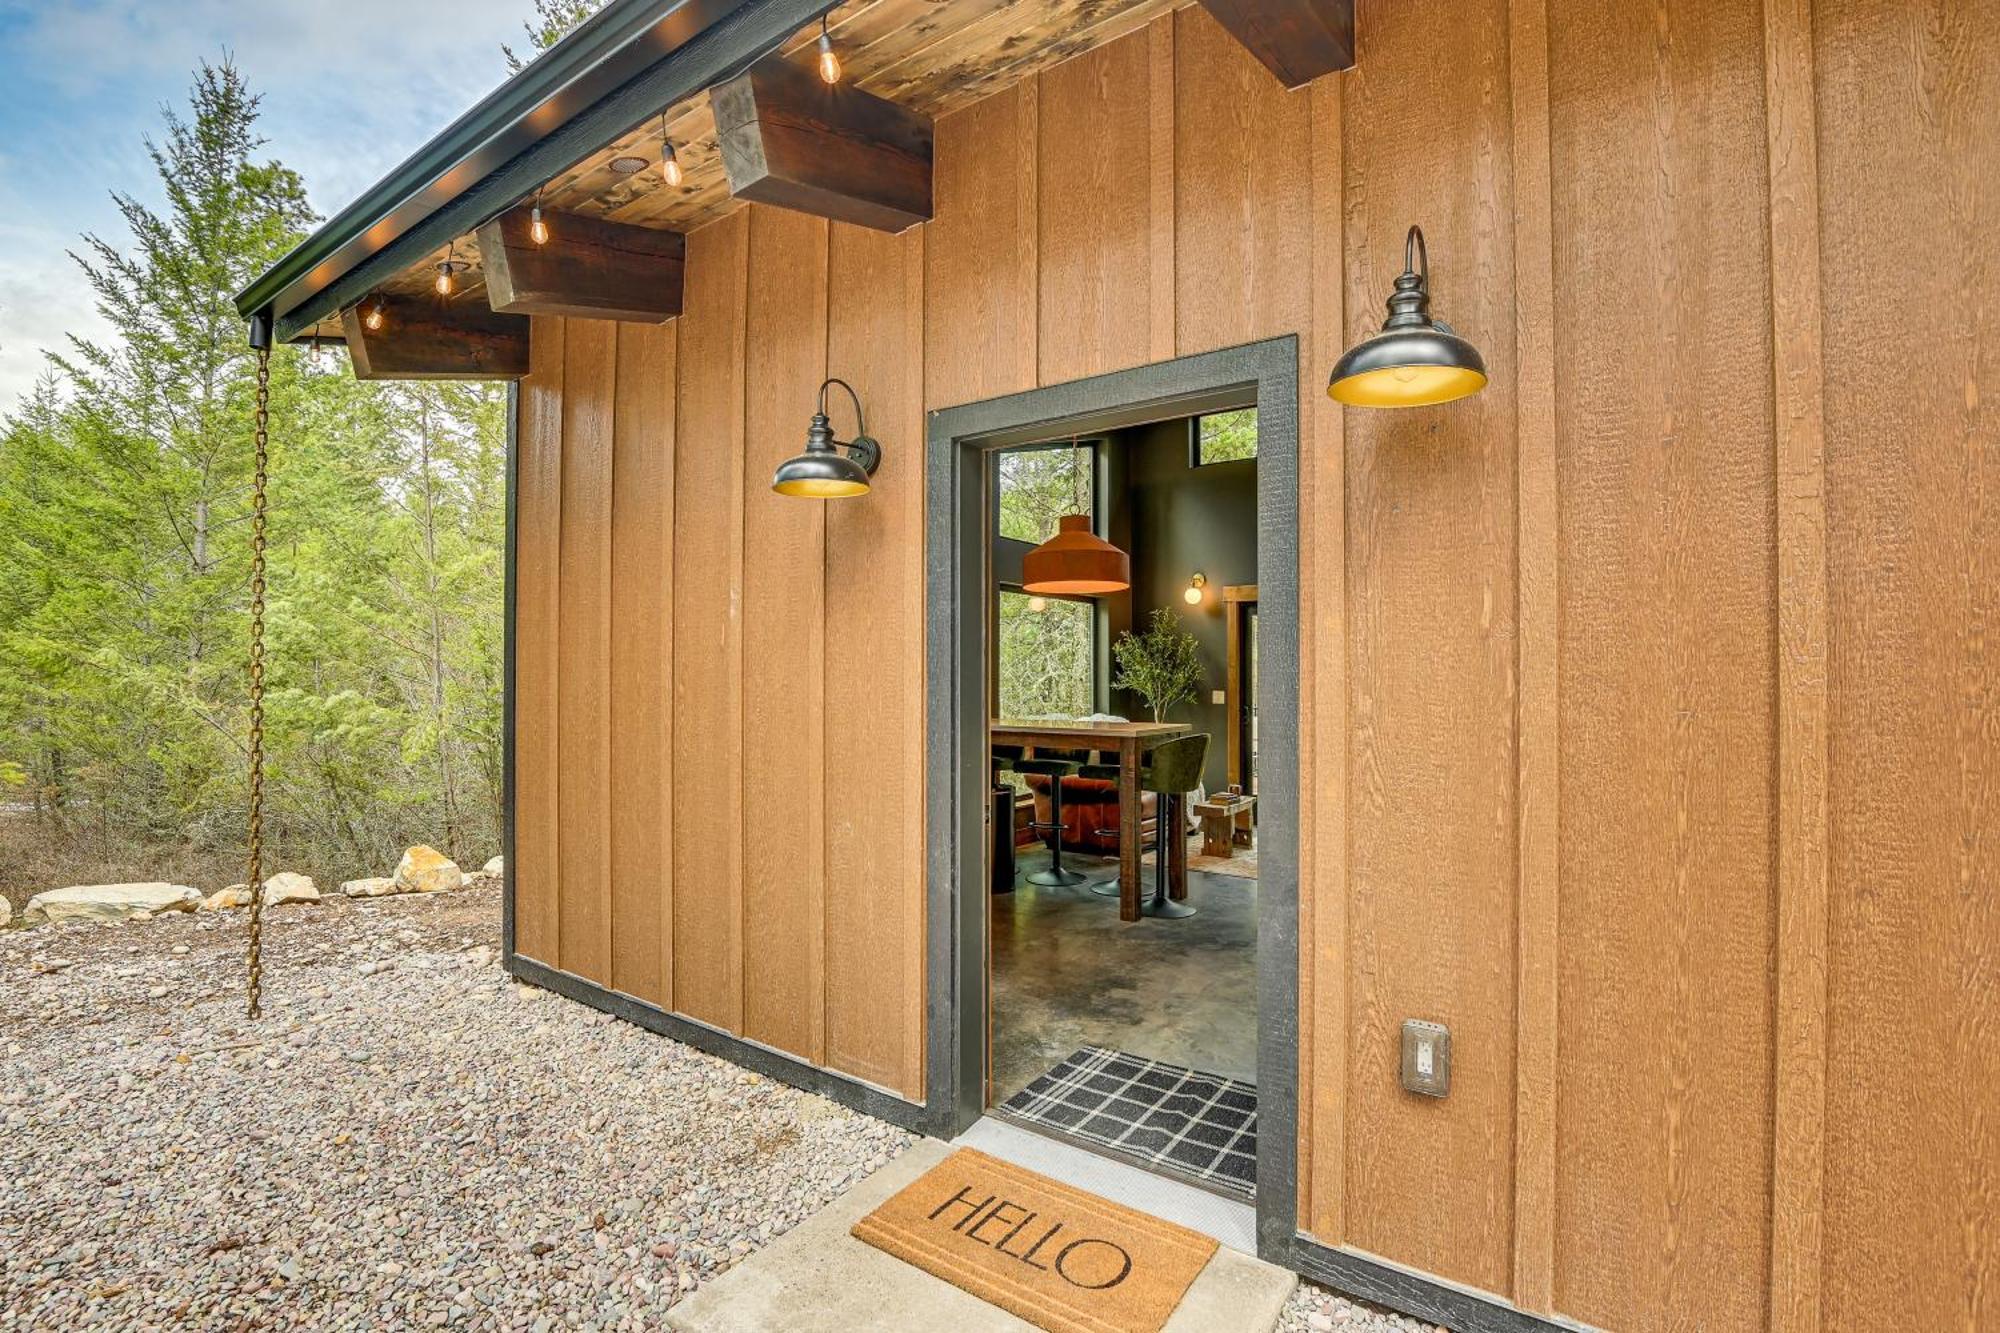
point(1648, 708)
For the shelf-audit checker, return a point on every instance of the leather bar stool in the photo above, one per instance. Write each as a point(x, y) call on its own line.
point(1055, 766)
point(1172, 770)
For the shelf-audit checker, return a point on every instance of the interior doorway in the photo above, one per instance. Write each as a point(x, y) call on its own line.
point(1133, 1035)
point(1062, 935)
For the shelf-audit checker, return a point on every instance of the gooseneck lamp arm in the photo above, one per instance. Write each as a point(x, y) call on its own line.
point(819, 435)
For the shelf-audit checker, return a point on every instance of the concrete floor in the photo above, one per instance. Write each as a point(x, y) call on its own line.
point(1068, 973)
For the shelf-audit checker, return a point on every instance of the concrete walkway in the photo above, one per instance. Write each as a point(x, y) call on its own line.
point(818, 1276)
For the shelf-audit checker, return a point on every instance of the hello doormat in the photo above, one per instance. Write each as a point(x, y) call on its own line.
point(1058, 1257)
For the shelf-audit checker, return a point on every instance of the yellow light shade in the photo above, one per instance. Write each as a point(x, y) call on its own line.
point(1076, 562)
point(820, 488)
point(1406, 386)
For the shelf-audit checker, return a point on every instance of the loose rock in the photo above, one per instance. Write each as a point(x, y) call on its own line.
point(427, 870)
point(109, 902)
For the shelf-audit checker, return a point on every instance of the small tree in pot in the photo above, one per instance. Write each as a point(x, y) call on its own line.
point(1163, 665)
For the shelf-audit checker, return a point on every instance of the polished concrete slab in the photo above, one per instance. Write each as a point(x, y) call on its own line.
point(818, 1276)
point(1068, 973)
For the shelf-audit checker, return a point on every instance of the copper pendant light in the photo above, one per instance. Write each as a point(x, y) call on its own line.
point(1076, 562)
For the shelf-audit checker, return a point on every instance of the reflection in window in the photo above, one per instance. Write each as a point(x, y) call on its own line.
point(1046, 652)
point(1040, 485)
point(1225, 437)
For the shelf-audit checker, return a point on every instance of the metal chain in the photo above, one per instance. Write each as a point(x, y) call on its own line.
point(256, 878)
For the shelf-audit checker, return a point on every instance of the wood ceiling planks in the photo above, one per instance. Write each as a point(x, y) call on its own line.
point(933, 56)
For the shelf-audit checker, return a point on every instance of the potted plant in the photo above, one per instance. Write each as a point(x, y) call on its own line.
point(1163, 665)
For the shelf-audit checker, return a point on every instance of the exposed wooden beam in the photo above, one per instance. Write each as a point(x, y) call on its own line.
point(459, 339)
point(791, 140)
point(588, 268)
point(1297, 40)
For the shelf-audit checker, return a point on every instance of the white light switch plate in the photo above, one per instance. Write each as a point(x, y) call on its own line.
point(1218, 697)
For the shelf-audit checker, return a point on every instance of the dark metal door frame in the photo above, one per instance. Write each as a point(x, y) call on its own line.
point(958, 440)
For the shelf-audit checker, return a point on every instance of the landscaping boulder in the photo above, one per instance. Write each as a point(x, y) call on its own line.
point(427, 870)
point(109, 902)
point(374, 886)
point(284, 887)
point(6, 910)
point(496, 867)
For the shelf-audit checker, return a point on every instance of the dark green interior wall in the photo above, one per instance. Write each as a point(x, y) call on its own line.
point(1182, 519)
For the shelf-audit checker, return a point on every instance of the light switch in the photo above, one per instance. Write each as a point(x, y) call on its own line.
point(1426, 1057)
point(1218, 697)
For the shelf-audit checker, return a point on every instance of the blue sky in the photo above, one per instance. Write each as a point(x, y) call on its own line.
point(350, 88)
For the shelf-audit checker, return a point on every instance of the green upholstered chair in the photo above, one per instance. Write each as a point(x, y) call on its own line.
point(1173, 769)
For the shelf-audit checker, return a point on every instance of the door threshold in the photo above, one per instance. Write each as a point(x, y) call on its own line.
point(1232, 1223)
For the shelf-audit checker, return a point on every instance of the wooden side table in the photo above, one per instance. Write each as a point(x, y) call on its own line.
point(1223, 821)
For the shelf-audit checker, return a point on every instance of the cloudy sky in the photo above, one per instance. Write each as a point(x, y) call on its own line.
point(350, 88)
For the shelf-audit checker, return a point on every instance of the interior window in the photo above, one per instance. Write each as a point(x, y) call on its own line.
point(1225, 437)
point(1046, 651)
point(1040, 485)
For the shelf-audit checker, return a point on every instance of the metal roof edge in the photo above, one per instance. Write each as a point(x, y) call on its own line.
point(603, 53)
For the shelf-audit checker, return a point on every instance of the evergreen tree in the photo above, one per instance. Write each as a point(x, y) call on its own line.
point(124, 504)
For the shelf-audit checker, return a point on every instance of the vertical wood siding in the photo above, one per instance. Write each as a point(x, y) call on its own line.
point(1650, 725)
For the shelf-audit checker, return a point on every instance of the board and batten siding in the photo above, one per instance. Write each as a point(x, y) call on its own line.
point(1650, 715)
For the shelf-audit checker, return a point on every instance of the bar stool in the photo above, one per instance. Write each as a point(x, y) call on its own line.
point(1172, 770)
point(1055, 767)
point(1104, 766)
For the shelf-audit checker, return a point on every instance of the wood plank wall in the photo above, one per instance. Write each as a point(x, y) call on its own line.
point(1651, 727)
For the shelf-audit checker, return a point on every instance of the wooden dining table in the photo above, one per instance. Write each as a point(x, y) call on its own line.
point(1130, 741)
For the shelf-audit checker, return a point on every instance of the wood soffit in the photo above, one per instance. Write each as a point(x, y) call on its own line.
point(932, 56)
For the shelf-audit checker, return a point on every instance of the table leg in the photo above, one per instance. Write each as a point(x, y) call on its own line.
point(1128, 829)
point(1177, 850)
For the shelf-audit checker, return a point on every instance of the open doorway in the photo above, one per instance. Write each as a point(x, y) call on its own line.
point(1099, 972)
point(1133, 1038)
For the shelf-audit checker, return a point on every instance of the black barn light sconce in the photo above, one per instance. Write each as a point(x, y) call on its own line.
point(823, 472)
point(1415, 360)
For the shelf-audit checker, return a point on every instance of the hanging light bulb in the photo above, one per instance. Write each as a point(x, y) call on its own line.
point(1038, 603)
point(670, 162)
point(538, 230)
point(829, 63)
point(374, 318)
point(444, 282)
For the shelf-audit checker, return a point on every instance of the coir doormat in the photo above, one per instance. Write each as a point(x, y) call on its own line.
point(1058, 1257)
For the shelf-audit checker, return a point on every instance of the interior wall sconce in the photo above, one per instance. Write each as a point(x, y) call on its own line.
point(1415, 360)
point(1194, 594)
point(822, 472)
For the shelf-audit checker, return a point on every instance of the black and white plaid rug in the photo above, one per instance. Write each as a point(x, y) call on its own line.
point(1199, 1126)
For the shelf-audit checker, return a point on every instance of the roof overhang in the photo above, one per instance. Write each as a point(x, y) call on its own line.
point(619, 67)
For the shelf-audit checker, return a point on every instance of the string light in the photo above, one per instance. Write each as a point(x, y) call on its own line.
point(670, 162)
point(829, 63)
point(373, 319)
point(445, 268)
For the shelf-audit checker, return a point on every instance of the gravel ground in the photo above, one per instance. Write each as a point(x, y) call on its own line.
point(407, 1139)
